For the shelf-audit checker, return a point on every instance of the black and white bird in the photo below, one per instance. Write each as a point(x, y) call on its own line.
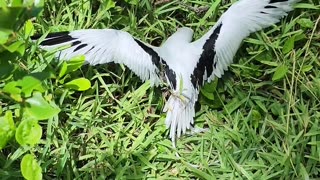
point(185, 65)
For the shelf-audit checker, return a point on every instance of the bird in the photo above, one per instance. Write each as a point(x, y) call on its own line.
point(182, 63)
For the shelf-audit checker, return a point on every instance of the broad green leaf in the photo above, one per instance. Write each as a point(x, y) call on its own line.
point(9, 15)
point(13, 17)
point(256, 118)
point(75, 63)
point(38, 108)
point(304, 22)
point(210, 87)
point(30, 168)
point(6, 69)
point(288, 45)
point(280, 72)
point(18, 46)
point(28, 84)
point(207, 94)
point(7, 128)
point(4, 36)
point(108, 4)
point(72, 65)
point(29, 132)
point(28, 28)
point(3, 4)
point(80, 84)
point(307, 68)
point(63, 69)
point(11, 88)
point(276, 108)
point(264, 56)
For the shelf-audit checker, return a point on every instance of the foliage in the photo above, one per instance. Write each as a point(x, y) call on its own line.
point(25, 97)
point(263, 114)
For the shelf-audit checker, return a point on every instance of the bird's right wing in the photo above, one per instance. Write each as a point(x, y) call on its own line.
point(100, 46)
point(220, 44)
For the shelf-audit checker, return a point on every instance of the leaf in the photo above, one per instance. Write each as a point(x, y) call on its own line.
point(3, 4)
point(7, 129)
point(211, 87)
point(306, 6)
point(133, 2)
point(207, 94)
point(307, 68)
point(29, 132)
point(12, 88)
point(18, 46)
point(38, 108)
point(30, 168)
point(28, 28)
point(288, 45)
point(80, 84)
point(72, 65)
point(256, 118)
point(108, 4)
point(63, 69)
point(304, 22)
point(200, 174)
point(4, 36)
point(32, 82)
point(6, 69)
point(280, 72)
point(270, 63)
point(264, 56)
point(233, 105)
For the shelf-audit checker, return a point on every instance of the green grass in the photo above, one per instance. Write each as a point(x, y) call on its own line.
point(263, 124)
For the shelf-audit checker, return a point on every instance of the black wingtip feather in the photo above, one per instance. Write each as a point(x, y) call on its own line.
point(57, 40)
point(50, 35)
point(275, 1)
point(79, 47)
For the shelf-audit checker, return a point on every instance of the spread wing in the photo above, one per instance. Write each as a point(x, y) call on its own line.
point(100, 46)
point(220, 43)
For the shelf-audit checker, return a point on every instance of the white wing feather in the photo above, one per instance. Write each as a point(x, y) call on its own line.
point(241, 19)
point(100, 46)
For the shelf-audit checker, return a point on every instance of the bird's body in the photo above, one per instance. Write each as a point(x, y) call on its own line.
point(185, 65)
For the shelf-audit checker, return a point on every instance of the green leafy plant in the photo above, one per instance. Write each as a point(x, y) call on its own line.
point(25, 97)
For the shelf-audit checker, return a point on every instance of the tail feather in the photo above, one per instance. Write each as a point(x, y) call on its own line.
point(180, 116)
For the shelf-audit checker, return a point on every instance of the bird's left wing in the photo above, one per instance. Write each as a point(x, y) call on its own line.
point(100, 46)
point(220, 44)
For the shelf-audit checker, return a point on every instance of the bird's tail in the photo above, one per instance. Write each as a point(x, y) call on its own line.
point(180, 114)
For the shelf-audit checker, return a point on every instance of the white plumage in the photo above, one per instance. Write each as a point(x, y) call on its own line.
point(184, 64)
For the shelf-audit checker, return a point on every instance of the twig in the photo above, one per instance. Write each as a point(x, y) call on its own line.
point(199, 10)
point(159, 2)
